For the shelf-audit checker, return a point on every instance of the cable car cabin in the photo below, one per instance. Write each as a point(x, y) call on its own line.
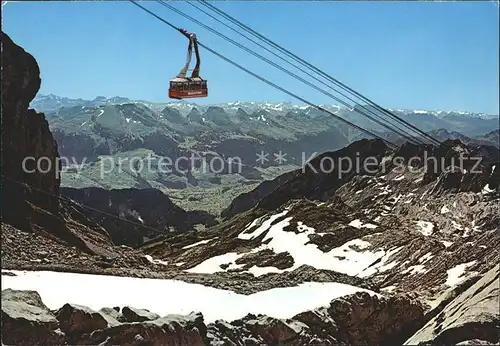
point(182, 88)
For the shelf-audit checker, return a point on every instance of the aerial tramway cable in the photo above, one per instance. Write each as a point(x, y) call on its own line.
point(317, 70)
point(269, 82)
point(272, 63)
point(414, 139)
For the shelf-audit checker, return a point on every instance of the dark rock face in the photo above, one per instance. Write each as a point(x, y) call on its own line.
point(30, 196)
point(25, 135)
point(382, 321)
point(247, 201)
point(325, 173)
point(75, 319)
point(138, 315)
point(148, 207)
point(321, 172)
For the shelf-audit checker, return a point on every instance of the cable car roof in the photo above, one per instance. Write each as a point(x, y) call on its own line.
point(181, 80)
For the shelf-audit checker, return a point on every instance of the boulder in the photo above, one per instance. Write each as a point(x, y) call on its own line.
point(169, 330)
point(76, 319)
point(138, 315)
point(27, 321)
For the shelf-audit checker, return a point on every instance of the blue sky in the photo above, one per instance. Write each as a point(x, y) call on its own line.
point(417, 55)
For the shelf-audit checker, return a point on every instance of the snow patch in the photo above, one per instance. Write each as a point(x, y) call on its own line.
point(213, 264)
point(381, 267)
point(455, 273)
point(263, 227)
point(351, 258)
point(416, 269)
point(201, 242)
point(426, 227)
point(425, 257)
point(155, 261)
point(303, 228)
point(358, 224)
point(401, 177)
point(487, 189)
point(444, 209)
point(388, 289)
point(178, 297)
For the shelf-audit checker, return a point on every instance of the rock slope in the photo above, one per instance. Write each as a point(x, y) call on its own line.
point(472, 316)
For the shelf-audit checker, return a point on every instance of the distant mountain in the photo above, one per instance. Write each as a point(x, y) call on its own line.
point(121, 128)
point(493, 136)
point(487, 139)
point(51, 102)
point(213, 135)
point(442, 114)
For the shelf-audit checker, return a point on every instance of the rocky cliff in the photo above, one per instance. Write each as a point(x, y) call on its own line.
point(31, 199)
point(26, 141)
point(30, 160)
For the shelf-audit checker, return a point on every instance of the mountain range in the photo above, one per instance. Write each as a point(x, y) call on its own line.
point(264, 139)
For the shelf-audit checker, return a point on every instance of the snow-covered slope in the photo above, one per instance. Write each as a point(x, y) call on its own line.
point(178, 297)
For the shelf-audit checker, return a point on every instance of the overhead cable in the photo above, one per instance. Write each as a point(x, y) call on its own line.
point(269, 82)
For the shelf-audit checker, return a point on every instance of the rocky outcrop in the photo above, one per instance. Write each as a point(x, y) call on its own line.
point(30, 160)
point(472, 315)
point(360, 319)
point(247, 201)
point(146, 213)
point(320, 177)
point(324, 172)
point(131, 314)
point(76, 319)
point(27, 321)
point(26, 141)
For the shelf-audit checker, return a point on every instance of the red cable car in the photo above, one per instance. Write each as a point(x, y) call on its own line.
point(182, 87)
